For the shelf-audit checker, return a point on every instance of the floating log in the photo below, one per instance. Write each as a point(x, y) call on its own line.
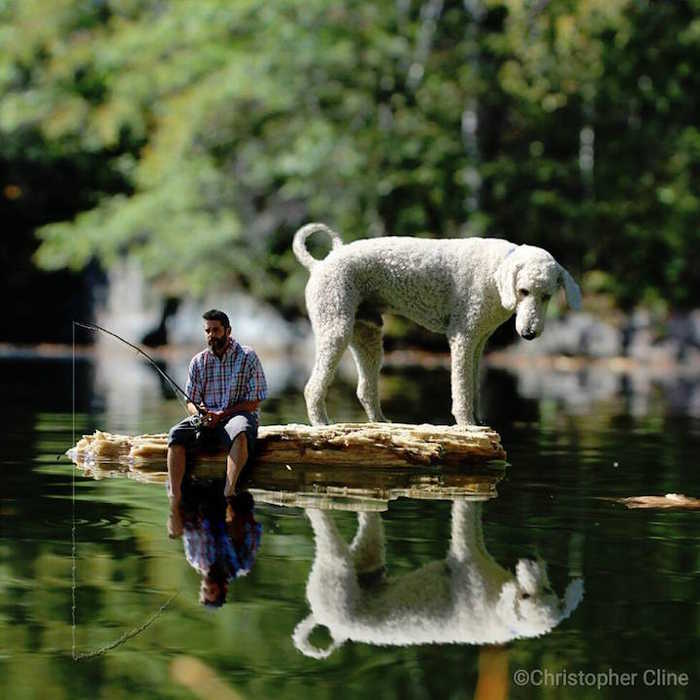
point(670, 500)
point(347, 466)
point(359, 444)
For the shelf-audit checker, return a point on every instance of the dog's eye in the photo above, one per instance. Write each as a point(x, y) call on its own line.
point(525, 596)
point(523, 292)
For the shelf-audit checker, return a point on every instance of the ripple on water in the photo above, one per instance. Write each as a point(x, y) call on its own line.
point(104, 522)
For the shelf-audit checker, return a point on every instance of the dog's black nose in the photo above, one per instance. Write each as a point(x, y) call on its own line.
point(529, 335)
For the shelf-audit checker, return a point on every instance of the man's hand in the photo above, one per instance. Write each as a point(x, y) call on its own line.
point(211, 418)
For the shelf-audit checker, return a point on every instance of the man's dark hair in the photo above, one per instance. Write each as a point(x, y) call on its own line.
point(216, 574)
point(216, 315)
point(214, 604)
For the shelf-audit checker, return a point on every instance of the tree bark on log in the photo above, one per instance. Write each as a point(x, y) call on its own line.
point(360, 444)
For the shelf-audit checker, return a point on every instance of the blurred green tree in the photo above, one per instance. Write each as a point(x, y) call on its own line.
point(565, 124)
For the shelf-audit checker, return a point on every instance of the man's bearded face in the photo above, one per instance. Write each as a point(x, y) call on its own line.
point(217, 335)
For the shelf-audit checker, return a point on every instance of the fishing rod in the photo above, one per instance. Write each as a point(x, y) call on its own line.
point(162, 372)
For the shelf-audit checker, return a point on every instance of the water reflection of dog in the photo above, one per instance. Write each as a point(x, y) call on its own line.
point(220, 536)
point(465, 598)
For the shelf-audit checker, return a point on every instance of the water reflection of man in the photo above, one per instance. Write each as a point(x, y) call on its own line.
point(227, 380)
point(220, 536)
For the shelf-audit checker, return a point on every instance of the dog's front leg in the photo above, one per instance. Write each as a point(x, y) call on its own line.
point(478, 353)
point(466, 536)
point(462, 350)
point(474, 571)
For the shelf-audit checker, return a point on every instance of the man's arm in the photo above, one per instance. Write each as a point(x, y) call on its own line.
point(213, 417)
point(193, 388)
point(192, 409)
point(248, 406)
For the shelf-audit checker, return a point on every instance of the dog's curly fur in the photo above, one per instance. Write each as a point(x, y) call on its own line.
point(467, 597)
point(464, 288)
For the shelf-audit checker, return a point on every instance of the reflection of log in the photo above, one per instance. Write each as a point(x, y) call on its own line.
point(331, 487)
point(336, 488)
point(357, 488)
point(366, 444)
point(304, 481)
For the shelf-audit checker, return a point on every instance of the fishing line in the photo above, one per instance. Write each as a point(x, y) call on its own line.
point(73, 527)
point(177, 389)
point(127, 635)
point(74, 542)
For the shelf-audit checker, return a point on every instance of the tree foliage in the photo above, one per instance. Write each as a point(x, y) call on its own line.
point(565, 124)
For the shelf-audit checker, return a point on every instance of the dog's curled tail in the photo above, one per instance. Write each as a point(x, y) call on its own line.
point(299, 244)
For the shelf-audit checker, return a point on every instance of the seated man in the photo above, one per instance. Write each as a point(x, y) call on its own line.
point(227, 383)
point(221, 538)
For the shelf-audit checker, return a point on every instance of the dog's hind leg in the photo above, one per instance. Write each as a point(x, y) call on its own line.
point(366, 348)
point(367, 547)
point(332, 587)
point(329, 349)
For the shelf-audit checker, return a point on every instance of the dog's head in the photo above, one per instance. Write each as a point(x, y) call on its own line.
point(527, 278)
point(528, 606)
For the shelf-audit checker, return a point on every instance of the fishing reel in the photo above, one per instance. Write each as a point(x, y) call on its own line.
point(198, 420)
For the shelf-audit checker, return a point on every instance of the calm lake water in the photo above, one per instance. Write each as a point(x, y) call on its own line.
point(574, 443)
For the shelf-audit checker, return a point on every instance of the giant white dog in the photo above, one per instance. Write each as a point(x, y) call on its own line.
point(466, 598)
point(464, 288)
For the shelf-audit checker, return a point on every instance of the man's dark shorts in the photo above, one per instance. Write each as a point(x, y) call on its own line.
point(220, 437)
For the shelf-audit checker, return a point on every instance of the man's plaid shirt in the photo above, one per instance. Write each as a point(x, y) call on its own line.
point(220, 383)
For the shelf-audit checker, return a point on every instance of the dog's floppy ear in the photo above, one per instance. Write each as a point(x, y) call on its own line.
point(572, 597)
point(573, 291)
point(505, 281)
point(531, 575)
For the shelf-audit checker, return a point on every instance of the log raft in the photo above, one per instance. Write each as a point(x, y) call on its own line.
point(342, 444)
point(347, 466)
